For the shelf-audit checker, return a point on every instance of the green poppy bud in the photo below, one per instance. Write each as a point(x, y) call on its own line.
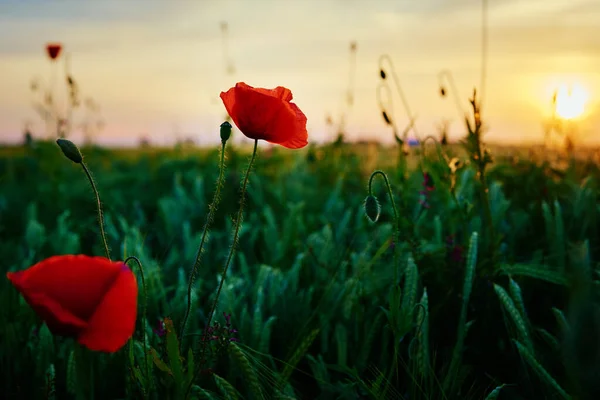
point(225, 131)
point(372, 208)
point(70, 150)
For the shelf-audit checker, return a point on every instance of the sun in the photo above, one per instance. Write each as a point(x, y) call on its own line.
point(570, 101)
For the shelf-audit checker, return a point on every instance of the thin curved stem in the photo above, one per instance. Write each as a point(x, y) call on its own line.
point(351, 77)
point(396, 80)
point(390, 119)
point(396, 218)
point(450, 78)
point(209, 219)
point(238, 224)
point(398, 88)
point(443, 158)
point(144, 310)
point(389, 111)
point(388, 187)
point(92, 391)
point(99, 207)
point(422, 158)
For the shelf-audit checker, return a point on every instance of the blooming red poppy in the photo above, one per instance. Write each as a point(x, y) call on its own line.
point(53, 50)
point(266, 114)
point(91, 299)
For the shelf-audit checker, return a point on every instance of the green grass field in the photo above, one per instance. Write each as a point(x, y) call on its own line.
point(490, 290)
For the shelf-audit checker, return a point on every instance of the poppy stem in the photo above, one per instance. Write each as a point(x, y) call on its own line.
point(212, 208)
point(446, 73)
point(444, 160)
point(99, 207)
point(396, 80)
point(396, 218)
point(238, 224)
point(388, 112)
point(144, 310)
point(92, 390)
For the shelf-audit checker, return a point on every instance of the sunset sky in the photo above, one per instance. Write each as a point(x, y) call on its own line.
point(157, 67)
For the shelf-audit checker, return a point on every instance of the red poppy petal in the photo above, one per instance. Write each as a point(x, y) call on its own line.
point(113, 323)
point(59, 320)
point(258, 112)
point(53, 50)
point(266, 114)
point(280, 92)
point(289, 129)
point(76, 282)
point(284, 94)
point(251, 111)
point(228, 99)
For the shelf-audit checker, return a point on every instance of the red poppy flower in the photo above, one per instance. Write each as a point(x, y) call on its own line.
point(266, 114)
point(91, 299)
point(53, 50)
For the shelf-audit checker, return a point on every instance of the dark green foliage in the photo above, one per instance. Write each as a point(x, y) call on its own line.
point(324, 303)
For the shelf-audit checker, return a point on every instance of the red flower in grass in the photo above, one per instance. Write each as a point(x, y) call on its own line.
point(91, 299)
point(53, 50)
point(266, 114)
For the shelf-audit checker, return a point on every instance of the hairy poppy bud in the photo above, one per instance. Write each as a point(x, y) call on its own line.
point(386, 118)
point(225, 131)
point(382, 73)
point(70, 150)
point(372, 208)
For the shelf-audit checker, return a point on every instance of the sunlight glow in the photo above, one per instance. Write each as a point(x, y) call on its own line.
point(570, 101)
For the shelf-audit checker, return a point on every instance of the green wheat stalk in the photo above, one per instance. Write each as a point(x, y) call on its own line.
point(449, 380)
point(541, 372)
point(226, 388)
point(509, 306)
point(249, 374)
point(296, 356)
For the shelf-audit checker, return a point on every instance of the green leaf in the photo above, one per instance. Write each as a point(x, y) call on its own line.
point(160, 364)
point(139, 377)
point(173, 353)
point(190, 366)
point(50, 383)
point(541, 272)
point(495, 394)
point(71, 373)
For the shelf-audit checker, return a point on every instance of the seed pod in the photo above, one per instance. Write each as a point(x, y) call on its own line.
point(70, 150)
point(372, 208)
point(225, 131)
point(386, 118)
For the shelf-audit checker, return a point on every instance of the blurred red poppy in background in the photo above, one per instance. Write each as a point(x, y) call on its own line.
point(266, 114)
point(91, 299)
point(53, 50)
